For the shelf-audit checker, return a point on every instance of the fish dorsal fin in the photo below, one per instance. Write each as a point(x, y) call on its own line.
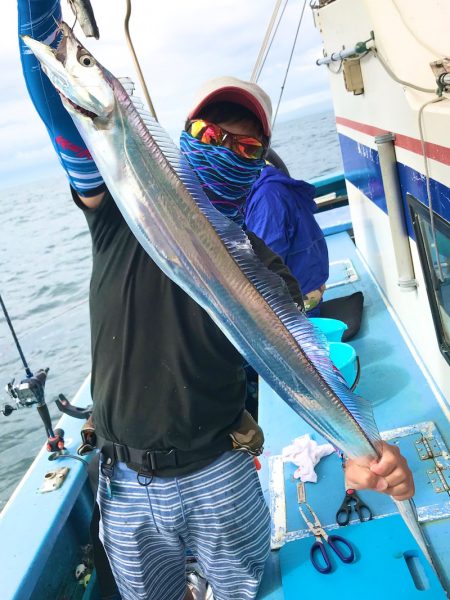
point(145, 115)
point(127, 84)
point(270, 285)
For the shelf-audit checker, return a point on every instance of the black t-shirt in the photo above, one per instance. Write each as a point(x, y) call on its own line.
point(163, 374)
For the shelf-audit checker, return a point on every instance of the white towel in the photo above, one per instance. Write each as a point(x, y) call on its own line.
point(305, 453)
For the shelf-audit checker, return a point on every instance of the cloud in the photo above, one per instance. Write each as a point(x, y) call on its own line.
point(179, 44)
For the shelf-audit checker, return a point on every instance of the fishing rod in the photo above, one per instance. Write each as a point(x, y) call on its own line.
point(19, 348)
point(30, 391)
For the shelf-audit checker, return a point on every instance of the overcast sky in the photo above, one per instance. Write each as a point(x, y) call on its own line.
point(180, 44)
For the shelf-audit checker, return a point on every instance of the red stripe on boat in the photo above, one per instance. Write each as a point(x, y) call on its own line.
point(433, 151)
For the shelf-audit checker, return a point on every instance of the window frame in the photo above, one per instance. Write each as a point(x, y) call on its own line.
point(419, 211)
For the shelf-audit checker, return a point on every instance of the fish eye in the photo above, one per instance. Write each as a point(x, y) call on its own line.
point(86, 60)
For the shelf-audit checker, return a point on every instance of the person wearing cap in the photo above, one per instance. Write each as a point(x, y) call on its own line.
point(226, 138)
point(168, 388)
point(277, 208)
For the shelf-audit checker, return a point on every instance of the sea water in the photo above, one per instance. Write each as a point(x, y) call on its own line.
point(45, 258)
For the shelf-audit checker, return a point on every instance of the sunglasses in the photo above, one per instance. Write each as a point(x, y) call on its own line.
point(210, 133)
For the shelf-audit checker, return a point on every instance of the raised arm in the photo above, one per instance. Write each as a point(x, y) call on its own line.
point(39, 19)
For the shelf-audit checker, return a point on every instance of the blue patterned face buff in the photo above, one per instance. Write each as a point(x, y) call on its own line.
point(226, 177)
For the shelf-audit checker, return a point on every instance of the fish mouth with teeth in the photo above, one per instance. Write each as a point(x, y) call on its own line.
point(77, 107)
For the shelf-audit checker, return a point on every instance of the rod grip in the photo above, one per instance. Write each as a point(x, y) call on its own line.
point(45, 416)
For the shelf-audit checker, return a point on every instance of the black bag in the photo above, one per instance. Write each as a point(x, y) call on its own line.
point(347, 309)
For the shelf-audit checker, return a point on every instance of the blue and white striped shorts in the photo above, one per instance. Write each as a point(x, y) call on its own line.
point(218, 513)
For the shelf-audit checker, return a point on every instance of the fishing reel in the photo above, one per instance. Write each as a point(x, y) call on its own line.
point(30, 391)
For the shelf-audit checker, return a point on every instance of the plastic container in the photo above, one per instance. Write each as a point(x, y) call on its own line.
point(332, 328)
point(344, 358)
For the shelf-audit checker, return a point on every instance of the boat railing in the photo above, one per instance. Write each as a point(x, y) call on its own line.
point(331, 191)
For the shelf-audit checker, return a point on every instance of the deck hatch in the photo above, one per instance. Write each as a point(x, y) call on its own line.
point(426, 453)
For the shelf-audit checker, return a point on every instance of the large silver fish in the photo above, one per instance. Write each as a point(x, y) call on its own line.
point(208, 255)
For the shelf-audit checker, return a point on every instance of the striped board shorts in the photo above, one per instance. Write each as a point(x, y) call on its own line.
point(217, 513)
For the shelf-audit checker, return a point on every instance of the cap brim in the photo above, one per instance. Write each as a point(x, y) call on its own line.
point(238, 96)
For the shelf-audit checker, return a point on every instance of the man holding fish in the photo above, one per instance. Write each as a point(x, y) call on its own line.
point(168, 379)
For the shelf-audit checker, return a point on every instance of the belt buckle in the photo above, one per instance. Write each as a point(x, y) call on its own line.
point(121, 453)
point(150, 458)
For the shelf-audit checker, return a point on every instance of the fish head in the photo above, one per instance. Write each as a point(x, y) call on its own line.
point(84, 85)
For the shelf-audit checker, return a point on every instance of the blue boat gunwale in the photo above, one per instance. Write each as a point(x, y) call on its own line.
point(41, 516)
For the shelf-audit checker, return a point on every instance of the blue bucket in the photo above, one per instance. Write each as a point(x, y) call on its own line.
point(344, 358)
point(333, 329)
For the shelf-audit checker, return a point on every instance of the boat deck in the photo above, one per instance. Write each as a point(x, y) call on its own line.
point(44, 532)
point(389, 563)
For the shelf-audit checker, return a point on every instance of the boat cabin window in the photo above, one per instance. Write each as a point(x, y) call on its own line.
point(434, 252)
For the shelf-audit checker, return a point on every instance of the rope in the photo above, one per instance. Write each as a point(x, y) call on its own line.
point(270, 45)
point(401, 81)
point(136, 62)
point(289, 63)
point(66, 454)
point(51, 320)
point(256, 69)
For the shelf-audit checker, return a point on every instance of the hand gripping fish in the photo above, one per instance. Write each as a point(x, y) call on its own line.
point(208, 255)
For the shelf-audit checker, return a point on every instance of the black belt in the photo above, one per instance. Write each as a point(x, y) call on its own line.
point(152, 461)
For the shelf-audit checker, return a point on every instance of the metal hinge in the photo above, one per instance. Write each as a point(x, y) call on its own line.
point(440, 478)
point(428, 448)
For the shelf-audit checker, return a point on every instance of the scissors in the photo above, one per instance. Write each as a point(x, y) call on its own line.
point(318, 549)
point(352, 500)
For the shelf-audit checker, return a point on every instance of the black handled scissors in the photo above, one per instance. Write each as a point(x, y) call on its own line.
point(318, 552)
point(352, 500)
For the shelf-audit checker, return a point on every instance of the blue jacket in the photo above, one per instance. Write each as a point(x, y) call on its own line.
point(280, 210)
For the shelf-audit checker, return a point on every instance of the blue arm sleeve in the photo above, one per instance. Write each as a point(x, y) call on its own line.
point(38, 19)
